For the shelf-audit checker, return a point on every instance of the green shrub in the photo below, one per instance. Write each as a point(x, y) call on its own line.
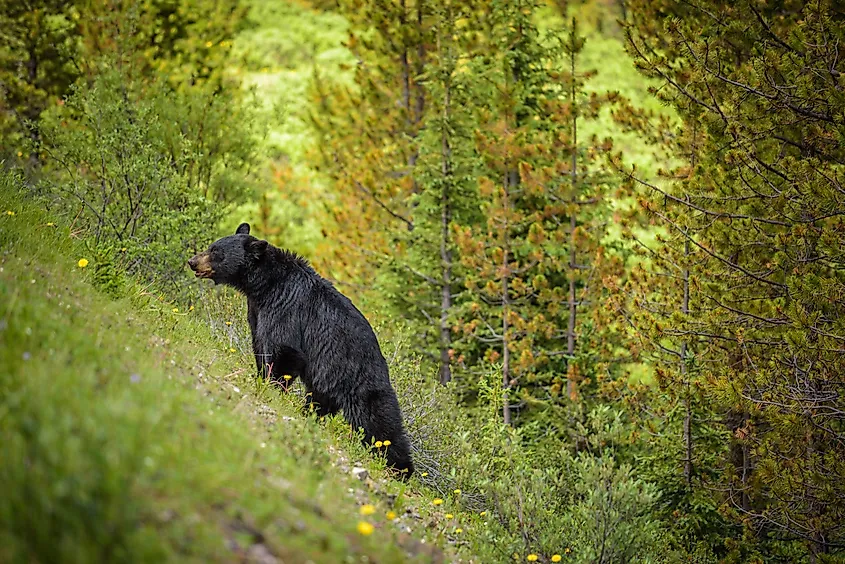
point(519, 494)
point(147, 170)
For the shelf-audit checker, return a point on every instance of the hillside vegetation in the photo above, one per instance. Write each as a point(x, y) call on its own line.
point(133, 432)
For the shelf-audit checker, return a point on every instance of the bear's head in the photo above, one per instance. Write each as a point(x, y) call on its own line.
point(229, 260)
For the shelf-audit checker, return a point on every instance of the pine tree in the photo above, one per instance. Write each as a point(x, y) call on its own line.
point(425, 277)
point(761, 213)
point(369, 133)
point(501, 317)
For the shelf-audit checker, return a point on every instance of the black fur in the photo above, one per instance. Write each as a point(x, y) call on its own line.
point(302, 326)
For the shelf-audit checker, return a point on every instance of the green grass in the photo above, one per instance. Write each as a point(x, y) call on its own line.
point(131, 432)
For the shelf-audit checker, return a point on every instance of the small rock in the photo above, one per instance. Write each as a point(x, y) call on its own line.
point(360, 473)
point(259, 554)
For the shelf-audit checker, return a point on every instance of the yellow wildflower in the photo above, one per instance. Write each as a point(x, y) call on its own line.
point(82, 263)
point(391, 515)
point(287, 376)
point(175, 310)
point(20, 153)
point(459, 531)
point(386, 443)
point(10, 213)
point(568, 550)
point(531, 558)
point(191, 308)
point(208, 43)
point(379, 444)
point(483, 513)
point(367, 509)
point(457, 492)
point(424, 474)
point(232, 350)
point(556, 558)
point(50, 224)
point(436, 501)
point(449, 516)
point(365, 528)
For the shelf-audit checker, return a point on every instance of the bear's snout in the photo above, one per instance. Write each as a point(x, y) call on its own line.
point(201, 265)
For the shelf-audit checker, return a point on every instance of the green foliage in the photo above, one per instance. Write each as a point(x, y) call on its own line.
point(39, 41)
point(554, 500)
point(135, 165)
point(752, 236)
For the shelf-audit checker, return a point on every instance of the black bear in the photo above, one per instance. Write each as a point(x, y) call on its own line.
point(302, 326)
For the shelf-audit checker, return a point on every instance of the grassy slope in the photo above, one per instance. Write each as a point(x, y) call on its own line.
point(131, 433)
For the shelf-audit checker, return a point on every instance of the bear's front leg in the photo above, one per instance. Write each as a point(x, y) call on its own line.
point(321, 403)
point(287, 361)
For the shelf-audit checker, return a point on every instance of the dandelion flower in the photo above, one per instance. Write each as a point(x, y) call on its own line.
point(379, 444)
point(459, 531)
point(365, 528)
point(386, 443)
point(424, 474)
point(175, 310)
point(287, 376)
point(457, 492)
point(50, 224)
point(208, 43)
point(449, 516)
point(10, 213)
point(367, 509)
point(82, 263)
point(483, 513)
point(391, 515)
point(568, 550)
point(531, 558)
point(556, 558)
point(20, 153)
point(228, 323)
point(191, 308)
point(436, 501)
point(232, 350)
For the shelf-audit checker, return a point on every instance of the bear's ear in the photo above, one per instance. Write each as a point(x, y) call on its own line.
point(243, 229)
point(256, 248)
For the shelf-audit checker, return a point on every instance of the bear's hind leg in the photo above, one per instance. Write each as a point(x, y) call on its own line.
point(379, 416)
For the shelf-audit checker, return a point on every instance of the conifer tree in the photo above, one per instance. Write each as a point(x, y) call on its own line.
point(761, 212)
point(424, 277)
point(502, 318)
point(369, 132)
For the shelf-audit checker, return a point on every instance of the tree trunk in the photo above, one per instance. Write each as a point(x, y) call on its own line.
point(687, 383)
point(506, 357)
point(573, 223)
point(445, 251)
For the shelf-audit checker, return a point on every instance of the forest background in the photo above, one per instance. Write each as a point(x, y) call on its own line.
point(604, 237)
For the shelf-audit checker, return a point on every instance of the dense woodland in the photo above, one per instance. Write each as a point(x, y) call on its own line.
point(629, 301)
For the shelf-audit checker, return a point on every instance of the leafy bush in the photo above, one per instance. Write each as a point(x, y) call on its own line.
point(148, 170)
point(522, 495)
